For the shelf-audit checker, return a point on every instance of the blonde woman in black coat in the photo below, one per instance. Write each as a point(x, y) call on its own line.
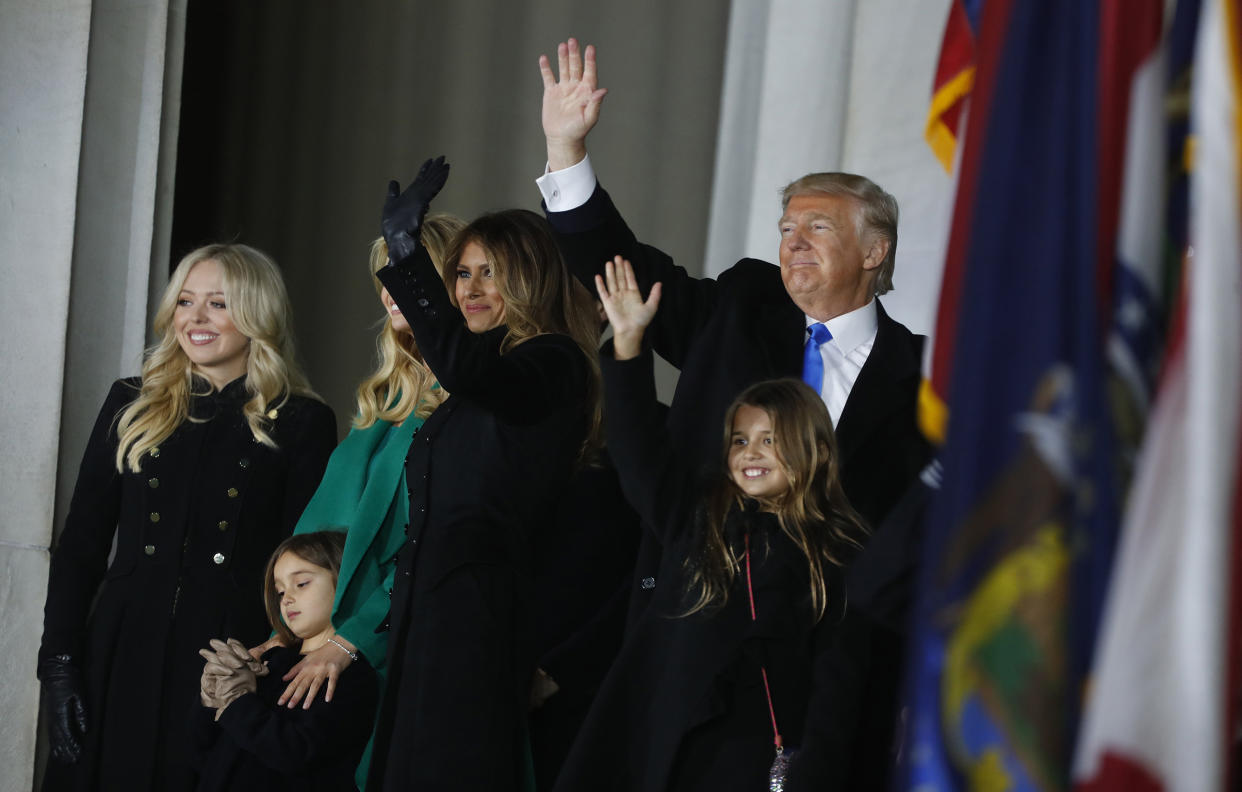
point(197, 470)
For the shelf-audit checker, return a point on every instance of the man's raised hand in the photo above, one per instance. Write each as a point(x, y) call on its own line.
point(571, 101)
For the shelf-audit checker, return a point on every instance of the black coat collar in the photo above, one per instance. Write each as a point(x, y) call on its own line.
point(877, 391)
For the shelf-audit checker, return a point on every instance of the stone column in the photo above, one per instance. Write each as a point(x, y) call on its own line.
point(85, 188)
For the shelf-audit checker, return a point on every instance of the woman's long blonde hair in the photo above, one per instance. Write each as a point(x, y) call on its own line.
point(813, 512)
point(258, 305)
point(539, 294)
point(401, 385)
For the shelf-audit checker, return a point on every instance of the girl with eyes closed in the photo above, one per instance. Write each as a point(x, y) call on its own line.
point(197, 469)
point(512, 339)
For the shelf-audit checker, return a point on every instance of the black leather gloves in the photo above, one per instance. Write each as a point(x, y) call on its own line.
point(404, 211)
point(66, 701)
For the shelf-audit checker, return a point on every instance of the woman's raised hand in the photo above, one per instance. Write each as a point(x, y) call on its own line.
point(571, 101)
point(404, 211)
point(325, 664)
point(628, 313)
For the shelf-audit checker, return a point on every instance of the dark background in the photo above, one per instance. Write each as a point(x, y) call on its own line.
point(294, 116)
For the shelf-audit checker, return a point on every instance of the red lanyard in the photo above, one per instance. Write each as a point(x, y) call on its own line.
point(776, 734)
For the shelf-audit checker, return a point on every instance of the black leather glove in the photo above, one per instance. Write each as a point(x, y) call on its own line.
point(404, 211)
point(66, 700)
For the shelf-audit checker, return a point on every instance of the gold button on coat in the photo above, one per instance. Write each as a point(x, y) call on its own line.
point(243, 463)
point(232, 492)
point(153, 483)
point(155, 451)
point(149, 549)
point(223, 525)
point(155, 517)
point(218, 558)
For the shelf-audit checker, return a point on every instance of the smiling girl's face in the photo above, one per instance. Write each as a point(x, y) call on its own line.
point(306, 593)
point(754, 460)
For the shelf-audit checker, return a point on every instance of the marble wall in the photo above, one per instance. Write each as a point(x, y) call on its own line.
point(40, 141)
point(84, 164)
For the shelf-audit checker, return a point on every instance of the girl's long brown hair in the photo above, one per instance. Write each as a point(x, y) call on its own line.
point(814, 512)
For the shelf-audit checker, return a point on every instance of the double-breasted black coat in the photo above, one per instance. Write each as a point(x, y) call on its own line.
point(684, 706)
point(483, 472)
point(194, 529)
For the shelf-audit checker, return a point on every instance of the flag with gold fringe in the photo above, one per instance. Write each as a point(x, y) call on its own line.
point(955, 77)
point(1019, 538)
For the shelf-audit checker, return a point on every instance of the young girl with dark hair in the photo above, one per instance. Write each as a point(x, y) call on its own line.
point(721, 684)
point(244, 738)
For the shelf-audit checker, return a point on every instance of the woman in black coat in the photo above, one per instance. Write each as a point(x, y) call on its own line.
point(731, 658)
point(198, 469)
point(484, 473)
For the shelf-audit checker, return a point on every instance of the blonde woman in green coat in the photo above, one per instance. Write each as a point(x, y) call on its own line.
point(363, 493)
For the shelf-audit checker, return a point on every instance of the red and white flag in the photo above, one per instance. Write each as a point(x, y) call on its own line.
point(1159, 714)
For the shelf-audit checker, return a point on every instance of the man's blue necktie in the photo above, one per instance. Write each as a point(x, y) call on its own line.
point(812, 361)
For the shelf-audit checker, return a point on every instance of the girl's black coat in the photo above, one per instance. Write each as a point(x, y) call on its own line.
point(194, 529)
point(483, 472)
point(684, 705)
point(259, 745)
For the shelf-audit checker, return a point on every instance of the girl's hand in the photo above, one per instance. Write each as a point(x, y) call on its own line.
point(324, 664)
point(628, 313)
point(257, 652)
point(231, 688)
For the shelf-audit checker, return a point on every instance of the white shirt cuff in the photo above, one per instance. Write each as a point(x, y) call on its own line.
point(569, 188)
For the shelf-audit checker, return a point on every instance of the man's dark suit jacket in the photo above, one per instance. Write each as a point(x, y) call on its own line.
point(731, 332)
point(741, 328)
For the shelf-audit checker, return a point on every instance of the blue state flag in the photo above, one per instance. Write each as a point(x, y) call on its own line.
point(1019, 538)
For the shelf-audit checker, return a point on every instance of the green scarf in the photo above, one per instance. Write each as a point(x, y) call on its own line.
point(363, 494)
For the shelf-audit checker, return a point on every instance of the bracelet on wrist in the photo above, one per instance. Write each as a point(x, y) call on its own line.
point(352, 655)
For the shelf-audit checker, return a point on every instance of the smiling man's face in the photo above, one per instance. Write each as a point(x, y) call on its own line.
point(825, 260)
